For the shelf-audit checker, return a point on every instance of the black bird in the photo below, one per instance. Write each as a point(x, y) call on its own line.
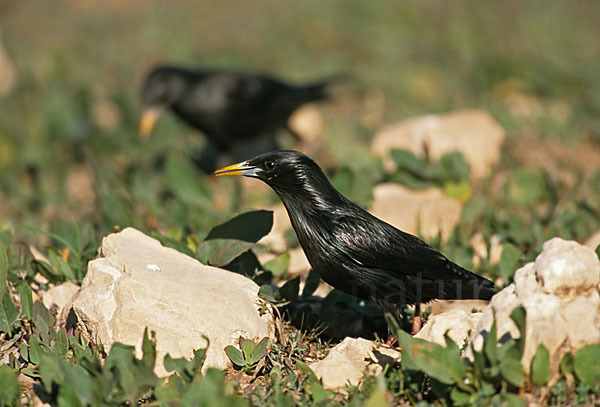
point(353, 250)
point(239, 112)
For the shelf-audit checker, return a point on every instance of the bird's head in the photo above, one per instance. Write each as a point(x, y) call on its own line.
point(162, 88)
point(290, 173)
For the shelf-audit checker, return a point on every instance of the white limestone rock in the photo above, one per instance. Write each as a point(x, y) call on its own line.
point(474, 133)
point(458, 324)
point(428, 212)
point(59, 298)
point(347, 362)
point(138, 283)
point(559, 291)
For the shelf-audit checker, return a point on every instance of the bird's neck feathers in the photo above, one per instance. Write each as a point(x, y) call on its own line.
point(309, 193)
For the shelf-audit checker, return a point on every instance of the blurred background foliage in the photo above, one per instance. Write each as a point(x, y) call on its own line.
point(71, 158)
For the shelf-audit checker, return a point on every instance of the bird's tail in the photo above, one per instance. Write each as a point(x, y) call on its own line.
point(316, 91)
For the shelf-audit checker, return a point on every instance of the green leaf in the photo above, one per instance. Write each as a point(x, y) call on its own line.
point(34, 349)
point(567, 364)
point(452, 167)
point(540, 366)
point(279, 265)
point(10, 391)
point(8, 313)
point(508, 261)
point(41, 317)
point(586, 365)
point(512, 400)
point(61, 345)
point(490, 344)
point(51, 370)
point(68, 397)
point(266, 292)
point(235, 355)
point(289, 291)
point(26, 301)
point(443, 364)
point(512, 371)
point(306, 370)
point(221, 252)
point(249, 226)
point(258, 351)
point(405, 160)
point(177, 365)
point(3, 270)
point(247, 346)
point(311, 283)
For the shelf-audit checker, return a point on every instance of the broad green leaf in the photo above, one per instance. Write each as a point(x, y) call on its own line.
point(8, 313)
point(540, 366)
point(10, 391)
point(3, 270)
point(247, 345)
point(61, 345)
point(567, 364)
point(266, 292)
point(51, 370)
point(512, 371)
point(221, 252)
point(305, 369)
point(177, 365)
point(452, 167)
point(41, 317)
point(279, 265)
point(235, 355)
point(512, 400)
point(311, 284)
point(289, 291)
point(586, 365)
point(319, 394)
point(258, 351)
point(508, 262)
point(443, 364)
point(68, 397)
point(34, 349)
point(461, 190)
point(249, 226)
point(26, 301)
point(405, 160)
point(490, 344)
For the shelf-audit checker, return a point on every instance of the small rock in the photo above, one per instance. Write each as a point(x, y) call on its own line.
point(458, 324)
point(427, 212)
point(307, 122)
point(348, 361)
point(468, 306)
point(138, 283)
point(593, 241)
point(106, 114)
point(57, 298)
point(559, 291)
point(474, 133)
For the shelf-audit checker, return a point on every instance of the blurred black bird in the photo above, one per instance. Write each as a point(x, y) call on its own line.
point(239, 112)
point(353, 250)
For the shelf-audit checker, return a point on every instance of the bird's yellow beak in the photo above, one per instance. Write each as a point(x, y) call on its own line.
point(242, 168)
point(149, 118)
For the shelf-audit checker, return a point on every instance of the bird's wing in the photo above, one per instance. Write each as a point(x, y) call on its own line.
point(374, 244)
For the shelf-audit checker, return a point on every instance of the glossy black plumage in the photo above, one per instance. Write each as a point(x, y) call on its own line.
point(233, 109)
point(351, 249)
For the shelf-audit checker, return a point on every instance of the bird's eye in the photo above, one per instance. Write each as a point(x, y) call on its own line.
point(270, 165)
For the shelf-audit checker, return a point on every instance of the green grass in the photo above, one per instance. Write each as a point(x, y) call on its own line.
point(72, 166)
